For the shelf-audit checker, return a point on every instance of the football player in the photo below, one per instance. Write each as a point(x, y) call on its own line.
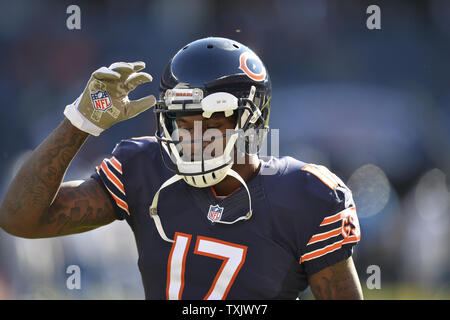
point(222, 224)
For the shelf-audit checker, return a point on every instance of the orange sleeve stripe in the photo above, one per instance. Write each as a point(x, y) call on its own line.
point(335, 217)
point(320, 252)
point(331, 219)
point(325, 235)
point(120, 203)
point(330, 248)
point(116, 164)
point(112, 177)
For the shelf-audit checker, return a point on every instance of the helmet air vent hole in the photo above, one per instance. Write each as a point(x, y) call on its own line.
point(193, 181)
point(204, 180)
point(235, 45)
point(213, 175)
point(210, 46)
point(186, 47)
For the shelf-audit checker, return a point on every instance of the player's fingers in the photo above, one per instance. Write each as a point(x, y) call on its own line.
point(105, 73)
point(138, 65)
point(136, 79)
point(135, 107)
point(124, 68)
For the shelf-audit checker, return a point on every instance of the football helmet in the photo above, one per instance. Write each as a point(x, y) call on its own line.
point(204, 77)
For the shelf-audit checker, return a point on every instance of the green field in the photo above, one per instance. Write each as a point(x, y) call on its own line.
point(401, 292)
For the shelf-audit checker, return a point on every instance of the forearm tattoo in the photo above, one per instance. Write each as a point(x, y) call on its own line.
point(31, 194)
point(339, 281)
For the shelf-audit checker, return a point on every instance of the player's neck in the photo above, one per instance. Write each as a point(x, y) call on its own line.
point(247, 171)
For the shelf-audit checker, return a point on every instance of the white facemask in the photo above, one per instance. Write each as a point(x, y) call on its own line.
point(205, 172)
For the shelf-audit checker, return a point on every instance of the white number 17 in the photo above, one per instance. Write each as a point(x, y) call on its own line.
point(233, 256)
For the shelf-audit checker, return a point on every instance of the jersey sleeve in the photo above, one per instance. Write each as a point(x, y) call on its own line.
point(337, 228)
point(110, 174)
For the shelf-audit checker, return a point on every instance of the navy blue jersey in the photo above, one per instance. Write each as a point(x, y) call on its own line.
point(304, 220)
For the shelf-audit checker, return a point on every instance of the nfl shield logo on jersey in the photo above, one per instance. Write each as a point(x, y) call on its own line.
point(215, 213)
point(101, 100)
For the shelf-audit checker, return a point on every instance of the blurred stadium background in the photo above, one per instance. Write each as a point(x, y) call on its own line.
point(372, 105)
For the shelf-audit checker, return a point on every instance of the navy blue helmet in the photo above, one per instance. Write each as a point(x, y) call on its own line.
point(226, 69)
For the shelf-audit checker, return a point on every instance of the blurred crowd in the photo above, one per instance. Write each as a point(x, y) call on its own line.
point(372, 105)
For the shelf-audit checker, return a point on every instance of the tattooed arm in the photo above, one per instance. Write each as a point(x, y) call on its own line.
point(38, 205)
point(338, 282)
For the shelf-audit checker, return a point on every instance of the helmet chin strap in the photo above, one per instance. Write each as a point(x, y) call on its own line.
point(154, 211)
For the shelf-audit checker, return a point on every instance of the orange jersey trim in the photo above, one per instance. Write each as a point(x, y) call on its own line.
point(116, 164)
point(111, 176)
point(330, 248)
point(325, 235)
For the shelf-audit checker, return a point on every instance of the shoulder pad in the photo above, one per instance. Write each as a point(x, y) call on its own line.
point(331, 180)
point(324, 174)
point(128, 148)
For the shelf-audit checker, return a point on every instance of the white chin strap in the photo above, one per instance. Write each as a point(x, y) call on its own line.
point(154, 210)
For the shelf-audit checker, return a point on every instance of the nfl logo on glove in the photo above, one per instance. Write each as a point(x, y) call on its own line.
point(215, 213)
point(101, 100)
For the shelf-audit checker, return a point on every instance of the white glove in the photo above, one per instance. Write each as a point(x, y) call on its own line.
point(105, 102)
